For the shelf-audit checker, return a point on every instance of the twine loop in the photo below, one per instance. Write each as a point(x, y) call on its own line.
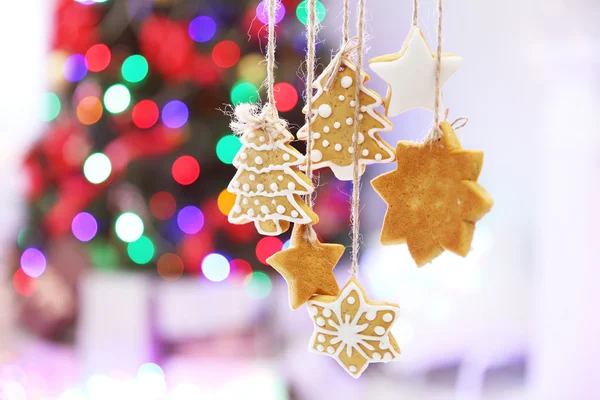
point(346, 48)
point(250, 117)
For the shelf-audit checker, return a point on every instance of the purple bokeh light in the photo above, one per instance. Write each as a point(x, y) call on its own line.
point(33, 262)
point(175, 114)
point(84, 226)
point(262, 12)
point(75, 68)
point(190, 220)
point(202, 28)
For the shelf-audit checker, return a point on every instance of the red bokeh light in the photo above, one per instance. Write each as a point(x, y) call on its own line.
point(266, 247)
point(185, 170)
point(204, 71)
point(97, 58)
point(194, 248)
point(286, 96)
point(23, 284)
point(145, 114)
point(226, 54)
point(239, 271)
point(162, 205)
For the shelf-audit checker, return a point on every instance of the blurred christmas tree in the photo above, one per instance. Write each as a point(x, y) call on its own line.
point(132, 170)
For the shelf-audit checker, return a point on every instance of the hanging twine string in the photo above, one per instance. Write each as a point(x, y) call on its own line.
point(355, 165)
point(436, 132)
point(415, 12)
point(345, 49)
point(273, 4)
point(248, 117)
point(345, 29)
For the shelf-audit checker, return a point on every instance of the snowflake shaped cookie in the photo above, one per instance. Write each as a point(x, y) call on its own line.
point(352, 329)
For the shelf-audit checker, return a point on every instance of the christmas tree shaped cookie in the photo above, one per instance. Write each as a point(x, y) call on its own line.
point(267, 185)
point(433, 197)
point(332, 123)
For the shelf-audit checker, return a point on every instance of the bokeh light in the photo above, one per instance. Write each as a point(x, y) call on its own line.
point(170, 266)
point(75, 68)
point(50, 107)
point(175, 114)
point(190, 220)
point(145, 114)
point(244, 92)
point(227, 148)
point(23, 284)
point(240, 269)
point(135, 68)
point(33, 262)
point(104, 256)
point(266, 247)
point(215, 267)
point(226, 201)
point(97, 168)
point(162, 205)
point(258, 285)
point(185, 170)
point(98, 57)
point(286, 96)
point(286, 244)
point(202, 28)
point(251, 68)
point(141, 251)
point(151, 382)
point(129, 227)
point(302, 11)
point(226, 54)
point(89, 110)
point(84, 226)
point(117, 98)
point(262, 12)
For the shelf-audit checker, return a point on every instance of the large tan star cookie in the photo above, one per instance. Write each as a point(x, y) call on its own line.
point(307, 267)
point(433, 197)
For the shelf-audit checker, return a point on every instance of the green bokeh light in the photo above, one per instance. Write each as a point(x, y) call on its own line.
point(302, 12)
point(244, 92)
point(129, 227)
point(141, 251)
point(257, 285)
point(104, 256)
point(135, 68)
point(227, 148)
point(117, 98)
point(50, 106)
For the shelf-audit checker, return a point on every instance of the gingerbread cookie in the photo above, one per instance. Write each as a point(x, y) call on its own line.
point(433, 197)
point(332, 123)
point(267, 184)
point(352, 329)
point(307, 266)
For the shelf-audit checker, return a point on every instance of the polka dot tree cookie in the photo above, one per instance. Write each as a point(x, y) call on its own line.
point(332, 123)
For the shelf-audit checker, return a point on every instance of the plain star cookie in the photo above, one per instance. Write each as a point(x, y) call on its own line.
point(352, 329)
point(332, 123)
point(307, 266)
point(410, 74)
point(433, 197)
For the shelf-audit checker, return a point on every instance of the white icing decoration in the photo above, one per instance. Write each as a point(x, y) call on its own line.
point(353, 103)
point(258, 160)
point(320, 347)
point(294, 213)
point(245, 201)
point(273, 202)
point(338, 147)
point(245, 187)
point(349, 121)
point(237, 208)
point(347, 331)
point(387, 317)
point(286, 157)
point(250, 212)
point(280, 209)
point(363, 109)
point(342, 97)
point(316, 135)
point(264, 209)
point(326, 129)
point(361, 138)
point(337, 125)
point(378, 157)
point(346, 82)
point(251, 135)
point(326, 312)
point(316, 155)
point(273, 187)
point(371, 315)
point(360, 117)
point(351, 149)
point(325, 111)
point(280, 178)
point(409, 73)
point(325, 143)
point(256, 202)
point(365, 152)
point(243, 156)
point(291, 186)
point(261, 138)
point(252, 177)
point(313, 310)
point(260, 187)
point(235, 184)
point(321, 338)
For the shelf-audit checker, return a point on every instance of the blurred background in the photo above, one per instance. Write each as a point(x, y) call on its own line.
point(120, 277)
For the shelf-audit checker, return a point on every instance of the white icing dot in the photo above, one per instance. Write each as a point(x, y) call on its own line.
point(371, 315)
point(376, 356)
point(338, 147)
point(316, 155)
point(245, 187)
point(361, 137)
point(236, 184)
point(351, 300)
point(353, 103)
point(280, 209)
point(280, 178)
point(337, 125)
point(245, 201)
point(349, 121)
point(325, 110)
point(384, 345)
point(291, 186)
point(363, 109)
point(330, 349)
point(286, 157)
point(258, 160)
point(316, 135)
point(360, 117)
point(252, 177)
point(352, 368)
point(321, 338)
point(378, 157)
point(243, 156)
point(313, 310)
point(294, 213)
point(264, 209)
point(346, 82)
point(320, 347)
point(260, 187)
point(379, 330)
point(326, 129)
point(342, 97)
point(387, 356)
point(320, 321)
point(256, 202)
point(388, 317)
point(326, 312)
point(261, 138)
point(273, 202)
point(251, 135)
point(237, 208)
point(351, 149)
point(250, 212)
point(274, 187)
point(365, 152)
point(325, 143)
